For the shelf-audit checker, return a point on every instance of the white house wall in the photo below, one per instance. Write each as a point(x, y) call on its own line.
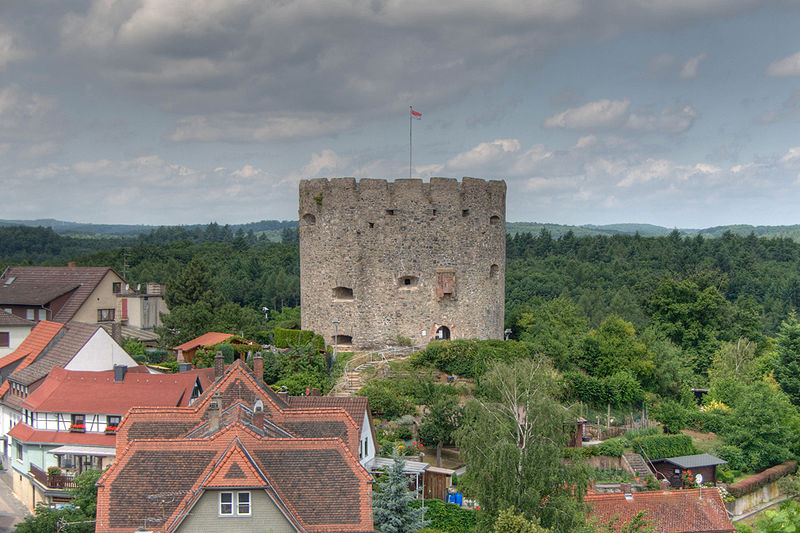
point(16, 334)
point(366, 435)
point(101, 352)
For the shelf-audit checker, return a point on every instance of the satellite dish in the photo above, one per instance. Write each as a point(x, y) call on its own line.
point(698, 479)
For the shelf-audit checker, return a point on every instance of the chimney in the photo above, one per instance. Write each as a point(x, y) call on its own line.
point(627, 490)
point(219, 365)
point(71, 265)
point(116, 332)
point(179, 356)
point(214, 408)
point(316, 392)
point(119, 373)
point(665, 485)
point(258, 368)
point(258, 415)
point(184, 367)
point(283, 394)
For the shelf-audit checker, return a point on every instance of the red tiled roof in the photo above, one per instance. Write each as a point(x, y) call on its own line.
point(37, 340)
point(317, 483)
point(70, 391)
point(27, 434)
point(40, 285)
point(206, 339)
point(677, 511)
point(304, 457)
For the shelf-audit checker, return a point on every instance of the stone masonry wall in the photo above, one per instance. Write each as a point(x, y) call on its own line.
point(402, 258)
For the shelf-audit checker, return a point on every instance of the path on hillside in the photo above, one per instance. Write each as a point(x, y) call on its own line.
point(353, 377)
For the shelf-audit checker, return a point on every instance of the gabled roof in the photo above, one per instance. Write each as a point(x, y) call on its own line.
point(693, 461)
point(206, 339)
point(317, 483)
point(356, 407)
point(40, 337)
point(7, 319)
point(41, 285)
point(75, 337)
point(677, 511)
point(69, 391)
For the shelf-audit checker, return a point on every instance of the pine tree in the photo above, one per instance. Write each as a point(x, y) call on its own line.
point(390, 505)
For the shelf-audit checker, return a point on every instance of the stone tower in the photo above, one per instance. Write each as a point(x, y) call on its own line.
point(404, 258)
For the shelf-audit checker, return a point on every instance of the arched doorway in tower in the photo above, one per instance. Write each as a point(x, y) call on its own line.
point(443, 333)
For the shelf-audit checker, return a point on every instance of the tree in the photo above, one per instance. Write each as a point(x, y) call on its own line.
point(442, 418)
point(192, 285)
point(555, 328)
point(80, 516)
point(613, 347)
point(734, 360)
point(513, 437)
point(787, 367)
point(390, 503)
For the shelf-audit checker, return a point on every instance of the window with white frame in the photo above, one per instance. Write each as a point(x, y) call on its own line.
point(235, 503)
point(30, 314)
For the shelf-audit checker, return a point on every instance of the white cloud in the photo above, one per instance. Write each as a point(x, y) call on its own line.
point(601, 114)
point(254, 127)
point(670, 120)
point(9, 51)
point(327, 160)
point(484, 154)
point(788, 66)
point(689, 70)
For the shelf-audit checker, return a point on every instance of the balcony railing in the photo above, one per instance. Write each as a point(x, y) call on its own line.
point(53, 481)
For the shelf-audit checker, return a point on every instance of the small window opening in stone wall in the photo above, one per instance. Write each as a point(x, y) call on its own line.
point(493, 271)
point(494, 219)
point(371, 224)
point(465, 212)
point(408, 282)
point(343, 340)
point(342, 293)
point(434, 212)
point(443, 333)
point(391, 211)
point(309, 219)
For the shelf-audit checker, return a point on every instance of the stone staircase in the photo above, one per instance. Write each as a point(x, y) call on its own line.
point(353, 378)
point(638, 464)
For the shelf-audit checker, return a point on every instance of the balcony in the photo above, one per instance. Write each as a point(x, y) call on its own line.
point(53, 481)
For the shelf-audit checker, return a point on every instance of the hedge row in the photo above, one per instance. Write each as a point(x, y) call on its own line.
point(618, 390)
point(755, 482)
point(611, 447)
point(447, 517)
point(294, 338)
point(661, 446)
point(469, 357)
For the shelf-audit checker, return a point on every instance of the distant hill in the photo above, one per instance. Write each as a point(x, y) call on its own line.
point(272, 229)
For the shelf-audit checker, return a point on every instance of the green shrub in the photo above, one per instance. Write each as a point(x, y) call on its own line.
point(447, 517)
point(652, 483)
point(618, 390)
point(673, 415)
point(661, 446)
point(385, 402)
point(726, 475)
point(734, 456)
point(296, 338)
point(611, 447)
point(469, 357)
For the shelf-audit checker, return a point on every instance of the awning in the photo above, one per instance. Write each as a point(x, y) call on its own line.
point(83, 450)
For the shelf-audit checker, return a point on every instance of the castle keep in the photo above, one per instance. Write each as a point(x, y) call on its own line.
point(403, 258)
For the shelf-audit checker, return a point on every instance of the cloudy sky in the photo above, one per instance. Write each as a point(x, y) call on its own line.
point(681, 113)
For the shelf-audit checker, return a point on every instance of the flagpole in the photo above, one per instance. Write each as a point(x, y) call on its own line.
point(409, 140)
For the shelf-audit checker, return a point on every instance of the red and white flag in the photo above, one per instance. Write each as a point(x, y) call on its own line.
point(416, 114)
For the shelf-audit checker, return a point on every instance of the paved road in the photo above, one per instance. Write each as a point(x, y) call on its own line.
point(11, 509)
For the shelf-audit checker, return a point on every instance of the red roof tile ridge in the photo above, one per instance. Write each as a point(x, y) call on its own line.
point(211, 337)
point(238, 369)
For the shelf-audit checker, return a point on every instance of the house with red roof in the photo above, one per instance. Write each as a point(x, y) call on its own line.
point(13, 331)
point(70, 422)
point(240, 458)
point(72, 346)
point(666, 511)
point(186, 351)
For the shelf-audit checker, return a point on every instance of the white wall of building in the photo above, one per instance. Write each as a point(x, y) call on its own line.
point(101, 352)
point(16, 334)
